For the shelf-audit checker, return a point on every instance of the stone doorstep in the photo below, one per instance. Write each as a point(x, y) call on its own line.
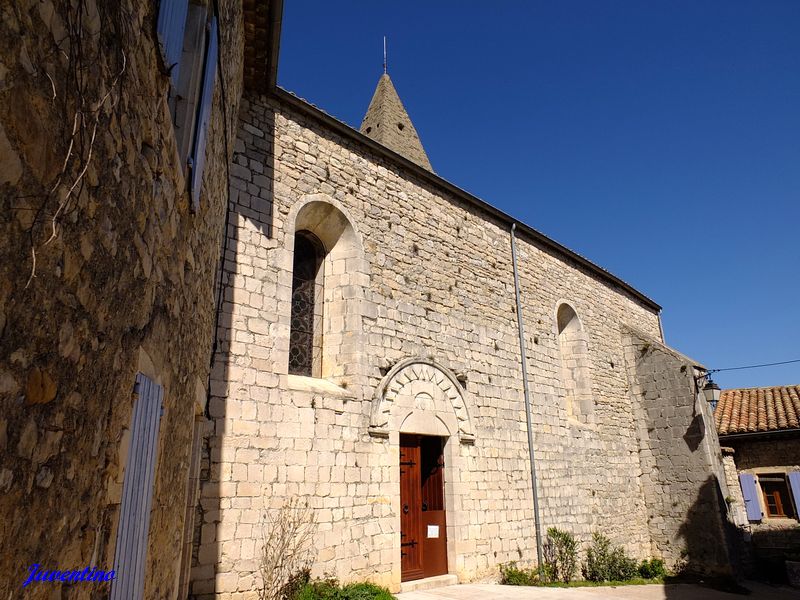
point(428, 583)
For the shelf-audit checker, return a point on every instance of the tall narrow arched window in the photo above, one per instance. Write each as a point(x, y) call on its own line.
point(305, 338)
point(573, 344)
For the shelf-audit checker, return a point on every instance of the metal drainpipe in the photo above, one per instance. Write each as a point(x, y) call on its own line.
point(522, 351)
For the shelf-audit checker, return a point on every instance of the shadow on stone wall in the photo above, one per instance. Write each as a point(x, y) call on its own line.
point(769, 549)
point(705, 558)
point(251, 207)
point(695, 432)
point(685, 505)
point(703, 552)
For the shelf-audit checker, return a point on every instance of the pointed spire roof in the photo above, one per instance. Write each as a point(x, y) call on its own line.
point(387, 123)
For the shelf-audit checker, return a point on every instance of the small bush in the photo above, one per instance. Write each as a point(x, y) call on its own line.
point(560, 556)
point(652, 569)
point(364, 591)
point(511, 575)
point(329, 589)
point(296, 582)
point(597, 559)
point(622, 567)
point(604, 563)
point(319, 589)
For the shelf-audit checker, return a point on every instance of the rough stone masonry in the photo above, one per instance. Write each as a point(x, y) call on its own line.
point(126, 285)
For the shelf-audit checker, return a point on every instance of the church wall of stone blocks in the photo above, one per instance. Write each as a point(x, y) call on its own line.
point(418, 334)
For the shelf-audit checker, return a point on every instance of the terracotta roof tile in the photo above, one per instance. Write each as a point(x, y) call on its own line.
point(754, 410)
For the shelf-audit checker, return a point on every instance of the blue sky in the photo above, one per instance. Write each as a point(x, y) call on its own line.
point(659, 139)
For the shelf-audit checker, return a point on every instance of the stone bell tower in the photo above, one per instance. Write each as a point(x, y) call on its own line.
point(388, 123)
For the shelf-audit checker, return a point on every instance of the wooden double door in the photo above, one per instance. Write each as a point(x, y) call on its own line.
point(423, 541)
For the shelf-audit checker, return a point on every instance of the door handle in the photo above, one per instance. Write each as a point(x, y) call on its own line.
point(405, 509)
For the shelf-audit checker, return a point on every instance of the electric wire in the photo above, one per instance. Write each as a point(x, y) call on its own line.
point(773, 364)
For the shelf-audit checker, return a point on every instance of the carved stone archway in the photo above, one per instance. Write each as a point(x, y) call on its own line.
point(410, 380)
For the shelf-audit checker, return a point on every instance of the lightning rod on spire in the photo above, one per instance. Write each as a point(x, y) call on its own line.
point(385, 64)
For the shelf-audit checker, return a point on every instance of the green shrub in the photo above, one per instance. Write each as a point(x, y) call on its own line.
point(652, 569)
point(622, 567)
point(597, 559)
point(511, 575)
point(364, 591)
point(324, 589)
point(560, 556)
point(329, 589)
point(296, 582)
point(604, 563)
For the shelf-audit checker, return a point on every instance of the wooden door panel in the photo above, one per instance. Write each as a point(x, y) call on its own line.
point(434, 543)
point(422, 518)
point(410, 502)
point(433, 523)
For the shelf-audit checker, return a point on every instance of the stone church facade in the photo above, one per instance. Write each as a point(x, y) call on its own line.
point(360, 315)
point(369, 302)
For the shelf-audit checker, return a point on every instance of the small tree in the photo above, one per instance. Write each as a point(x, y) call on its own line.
point(286, 558)
point(560, 556)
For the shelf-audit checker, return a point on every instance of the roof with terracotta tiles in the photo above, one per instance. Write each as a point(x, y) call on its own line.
point(757, 410)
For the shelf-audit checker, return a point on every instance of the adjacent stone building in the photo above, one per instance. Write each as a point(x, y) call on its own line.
point(759, 429)
point(356, 347)
point(110, 237)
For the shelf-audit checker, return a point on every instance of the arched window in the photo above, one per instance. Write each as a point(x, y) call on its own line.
point(573, 344)
point(305, 337)
point(329, 279)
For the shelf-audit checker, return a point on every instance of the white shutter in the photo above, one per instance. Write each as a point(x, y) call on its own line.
point(137, 493)
point(750, 494)
point(204, 113)
point(170, 27)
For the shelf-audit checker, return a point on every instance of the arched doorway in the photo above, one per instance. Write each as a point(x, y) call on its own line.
point(421, 408)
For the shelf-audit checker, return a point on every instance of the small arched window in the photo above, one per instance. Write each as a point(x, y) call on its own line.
point(573, 344)
point(329, 279)
point(305, 337)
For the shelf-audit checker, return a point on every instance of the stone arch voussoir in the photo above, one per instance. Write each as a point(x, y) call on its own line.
point(404, 374)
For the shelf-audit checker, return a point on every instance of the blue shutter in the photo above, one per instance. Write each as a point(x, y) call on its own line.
point(130, 555)
point(794, 483)
point(750, 493)
point(170, 27)
point(204, 114)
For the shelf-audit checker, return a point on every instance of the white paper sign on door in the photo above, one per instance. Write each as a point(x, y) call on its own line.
point(433, 531)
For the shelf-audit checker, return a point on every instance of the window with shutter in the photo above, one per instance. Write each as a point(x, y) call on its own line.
point(188, 37)
point(137, 492)
point(184, 99)
point(794, 485)
point(170, 28)
point(750, 493)
point(775, 490)
point(198, 158)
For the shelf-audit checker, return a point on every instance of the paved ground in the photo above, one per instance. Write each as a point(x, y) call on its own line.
point(629, 592)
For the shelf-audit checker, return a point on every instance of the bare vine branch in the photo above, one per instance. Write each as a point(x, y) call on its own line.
point(52, 85)
point(86, 116)
point(288, 535)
